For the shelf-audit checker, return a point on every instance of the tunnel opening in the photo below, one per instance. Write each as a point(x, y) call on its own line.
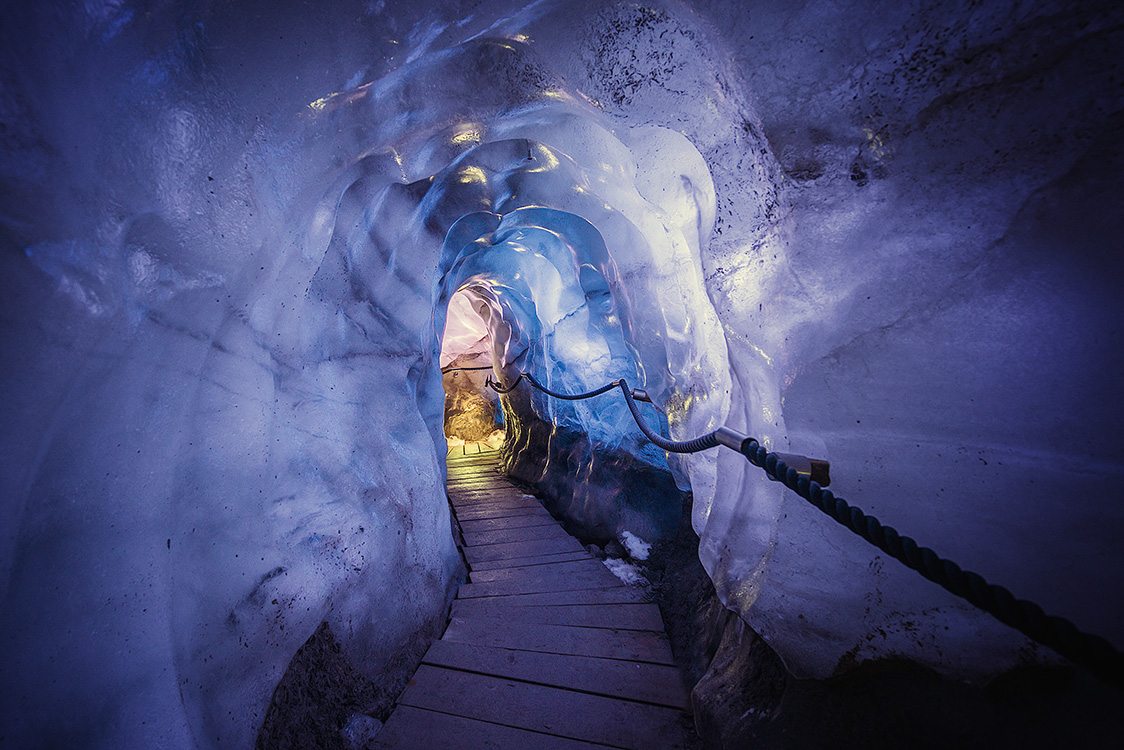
point(535, 289)
point(472, 414)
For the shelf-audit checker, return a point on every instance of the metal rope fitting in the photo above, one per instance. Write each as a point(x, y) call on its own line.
point(815, 469)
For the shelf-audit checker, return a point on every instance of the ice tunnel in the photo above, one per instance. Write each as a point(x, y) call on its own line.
point(261, 259)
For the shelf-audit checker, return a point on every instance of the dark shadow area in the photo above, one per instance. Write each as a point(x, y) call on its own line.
point(318, 694)
point(324, 702)
point(743, 697)
point(596, 491)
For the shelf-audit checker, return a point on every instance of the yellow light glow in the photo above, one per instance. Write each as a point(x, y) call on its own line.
point(470, 175)
point(878, 143)
point(467, 135)
point(762, 354)
point(545, 161)
point(340, 97)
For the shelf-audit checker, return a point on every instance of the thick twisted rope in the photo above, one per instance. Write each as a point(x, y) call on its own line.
point(1094, 653)
point(1091, 651)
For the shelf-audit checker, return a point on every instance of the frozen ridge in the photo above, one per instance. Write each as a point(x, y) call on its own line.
point(545, 647)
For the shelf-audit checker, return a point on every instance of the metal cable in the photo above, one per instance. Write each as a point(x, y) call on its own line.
point(1094, 653)
point(575, 397)
point(459, 369)
point(687, 446)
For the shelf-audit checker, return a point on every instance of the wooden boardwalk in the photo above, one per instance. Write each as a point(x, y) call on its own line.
point(545, 647)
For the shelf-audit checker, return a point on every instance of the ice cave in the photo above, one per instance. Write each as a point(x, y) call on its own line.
point(263, 263)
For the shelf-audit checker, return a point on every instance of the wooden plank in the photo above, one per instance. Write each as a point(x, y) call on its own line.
point(618, 595)
point(586, 566)
point(484, 492)
point(493, 503)
point(506, 536)
point(521, 549)
point(474, 459)
point(630, 645)
point(658, 684)
point(477, 486)
point(508, 522)
point(643, 616)
point(539, 585)
point(483, 503)
point(521, 562)
point(497, 503)
point(486, 500)
point(580, 716)
point(502, 512)
point(481, 490)
point(478, 482)
point(410, 728)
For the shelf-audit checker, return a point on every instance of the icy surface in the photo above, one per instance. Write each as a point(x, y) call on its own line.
point(637, 548)
point(628, 573)
point(946, 329)
point(230, 234)
point(466, 335)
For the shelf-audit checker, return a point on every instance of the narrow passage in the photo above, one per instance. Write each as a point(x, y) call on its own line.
point(545, 648)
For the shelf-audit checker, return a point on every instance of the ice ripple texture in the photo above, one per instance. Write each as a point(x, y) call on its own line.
point(221, 349)
point(245, 437)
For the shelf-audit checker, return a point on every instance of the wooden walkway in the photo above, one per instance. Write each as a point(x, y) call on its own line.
point(545, 648)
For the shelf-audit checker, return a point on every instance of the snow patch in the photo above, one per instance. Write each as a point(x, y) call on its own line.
point(637, 548)
point(627, 572)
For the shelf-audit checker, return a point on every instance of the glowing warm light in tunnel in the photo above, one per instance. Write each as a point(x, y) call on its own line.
point(470, 407)
point(465, 331)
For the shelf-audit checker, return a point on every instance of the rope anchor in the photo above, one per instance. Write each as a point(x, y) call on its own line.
point(809, 477)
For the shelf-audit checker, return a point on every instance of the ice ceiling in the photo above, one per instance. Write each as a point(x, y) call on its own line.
point(231, 232)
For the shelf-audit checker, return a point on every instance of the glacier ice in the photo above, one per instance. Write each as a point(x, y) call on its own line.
point(227, 263)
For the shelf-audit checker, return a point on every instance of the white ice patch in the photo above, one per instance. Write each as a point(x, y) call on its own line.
point(627, 572)
point(637, 548)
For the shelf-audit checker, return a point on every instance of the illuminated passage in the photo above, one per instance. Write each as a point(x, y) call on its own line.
point(545, 647)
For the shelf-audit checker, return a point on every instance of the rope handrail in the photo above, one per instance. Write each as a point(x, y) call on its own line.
point(461, 369)
point(518, 357)
point(809, 480)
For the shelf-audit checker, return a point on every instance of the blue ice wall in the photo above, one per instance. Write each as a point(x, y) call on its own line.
point(887, 238)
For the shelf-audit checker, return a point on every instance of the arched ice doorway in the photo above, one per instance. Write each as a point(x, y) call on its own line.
point(472, 411)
